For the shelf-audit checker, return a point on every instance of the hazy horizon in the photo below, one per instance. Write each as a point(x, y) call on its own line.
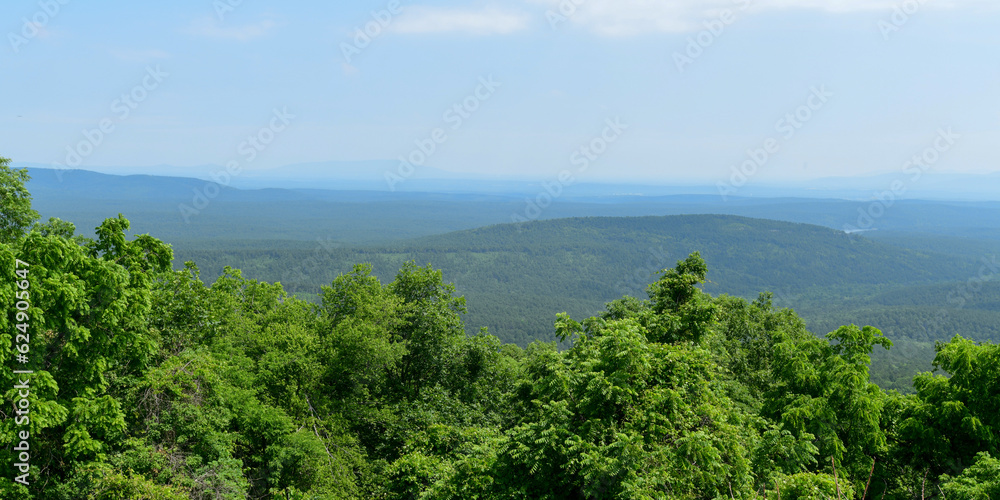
point(370, 176)
point(684, 92)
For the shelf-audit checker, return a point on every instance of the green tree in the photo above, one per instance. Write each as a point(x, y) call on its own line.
point(618, 416)
point(89, 340)
point(431, 328)
point(747, 335)
point(682, 312)
point(953, 418)
point(822, 389)
point(981, 481)
point(16, 214)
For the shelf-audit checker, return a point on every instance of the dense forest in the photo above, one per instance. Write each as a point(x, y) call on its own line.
point(149, 383)
point(517, 277)
point(536, 268)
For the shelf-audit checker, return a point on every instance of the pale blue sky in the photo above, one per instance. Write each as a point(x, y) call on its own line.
point(214, 76)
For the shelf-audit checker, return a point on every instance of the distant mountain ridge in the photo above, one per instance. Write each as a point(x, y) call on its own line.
point(184, 208)
point(375, 175)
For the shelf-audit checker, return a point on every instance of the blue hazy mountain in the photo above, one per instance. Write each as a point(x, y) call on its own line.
point(178, 207)
point(393, 176)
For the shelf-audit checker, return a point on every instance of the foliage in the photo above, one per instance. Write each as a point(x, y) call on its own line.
point(149, 383)
point(822, 389)
point(16, 214)
point(954, 417)
point(981, 481)
point(811, 486)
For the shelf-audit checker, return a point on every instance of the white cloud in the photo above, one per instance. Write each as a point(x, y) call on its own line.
point(635, 17)
point(488, 21)
point(209, 27)
point(631, 17)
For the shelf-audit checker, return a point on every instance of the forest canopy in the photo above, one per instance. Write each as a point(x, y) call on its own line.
point(148, 383)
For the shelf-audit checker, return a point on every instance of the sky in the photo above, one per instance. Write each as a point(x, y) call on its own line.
point(661, 91)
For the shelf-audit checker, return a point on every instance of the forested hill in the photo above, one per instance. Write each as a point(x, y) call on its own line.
point(516, 277)
point(748, 255)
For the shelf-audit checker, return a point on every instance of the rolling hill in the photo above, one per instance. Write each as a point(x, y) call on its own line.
point(516, 277)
